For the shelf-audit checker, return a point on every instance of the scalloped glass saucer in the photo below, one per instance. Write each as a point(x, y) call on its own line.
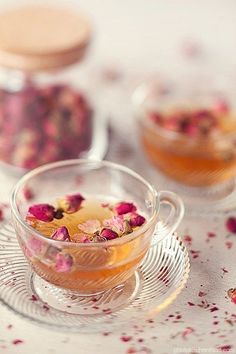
point(157, 282)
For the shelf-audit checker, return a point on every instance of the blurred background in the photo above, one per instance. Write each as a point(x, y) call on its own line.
point(155, 34)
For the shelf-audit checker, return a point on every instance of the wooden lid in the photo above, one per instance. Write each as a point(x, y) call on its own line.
point(42, 38)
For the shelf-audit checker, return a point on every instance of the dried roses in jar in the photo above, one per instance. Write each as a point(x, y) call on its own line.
point(41, 125)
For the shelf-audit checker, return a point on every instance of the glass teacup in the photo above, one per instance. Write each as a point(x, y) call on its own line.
point(99, 266)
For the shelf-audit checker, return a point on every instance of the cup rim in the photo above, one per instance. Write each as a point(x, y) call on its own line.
point(64, 163)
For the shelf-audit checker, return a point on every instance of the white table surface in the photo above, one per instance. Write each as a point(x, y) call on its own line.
point(141, 36)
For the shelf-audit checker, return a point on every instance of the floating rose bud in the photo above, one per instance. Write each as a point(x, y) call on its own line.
point(90, 226)
point(35, 245)
point(42, 212)
point(71, 203)
point(61, 234)
point(136, 220)
point(231, 224)
point(109, 234)
point(81, 237)
point(124, 208)
point(64, 263)
point(116, 223)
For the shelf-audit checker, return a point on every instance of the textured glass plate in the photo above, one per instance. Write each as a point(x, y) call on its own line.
point(154, 285)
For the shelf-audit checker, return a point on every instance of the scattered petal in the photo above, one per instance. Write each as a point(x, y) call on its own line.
point(17, 341)
point(61, 234)
point(232, 295)
point(231, 224)
point(64, 262)
point(42, 212)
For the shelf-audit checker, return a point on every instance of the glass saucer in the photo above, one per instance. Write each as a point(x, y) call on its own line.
point(157, 282)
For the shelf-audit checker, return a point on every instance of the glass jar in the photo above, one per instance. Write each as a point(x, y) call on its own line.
point(44, 116)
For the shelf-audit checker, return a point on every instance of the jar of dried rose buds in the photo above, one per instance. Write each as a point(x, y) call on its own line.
point(44, 117)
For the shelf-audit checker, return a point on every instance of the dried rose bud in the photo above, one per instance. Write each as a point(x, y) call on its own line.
point(124, 208)
point(136, 220)
point(109, 234)
point(90, 226)
point(231, 224)
point(61, 234)
point(64, 262)
point(232, 295)
point(35, 245)
point(116, 223)
point(42, 212)
point(71, 203)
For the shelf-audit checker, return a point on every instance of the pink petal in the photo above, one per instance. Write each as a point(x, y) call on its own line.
point(35, 245)
point(116, 222)
point(90, 226)
point(42, 212)
point(109, 234)
point(124, 208)
point(64, 262)
point(136, 220)
point(61, 234)
point(231, 224)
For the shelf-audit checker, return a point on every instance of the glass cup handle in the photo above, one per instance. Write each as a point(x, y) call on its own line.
point(167, 226)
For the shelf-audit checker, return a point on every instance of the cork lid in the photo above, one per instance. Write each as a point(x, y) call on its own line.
point(36, 38)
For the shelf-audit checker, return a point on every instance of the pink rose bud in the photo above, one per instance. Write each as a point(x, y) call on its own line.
point(64, 262)
point(124, 208)
point(35, 245)
point(61, 234)
point(42, 212)
point(109, 234)
point(71, 203)
point(231, 224)
point(232, 295)
point(136, 220)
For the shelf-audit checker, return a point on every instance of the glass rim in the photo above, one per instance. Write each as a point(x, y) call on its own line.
point(138, 98)
point(74, 162)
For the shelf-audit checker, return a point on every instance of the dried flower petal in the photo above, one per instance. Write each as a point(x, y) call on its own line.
point(71, 203)
point(231, 224)
point(42, 212)
point(61, 234)
point(64, 262)
point(90, 226)
point(136, 220)
point(109, 234)
point(116, 223)
point(232, 295)
point(124, 208)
